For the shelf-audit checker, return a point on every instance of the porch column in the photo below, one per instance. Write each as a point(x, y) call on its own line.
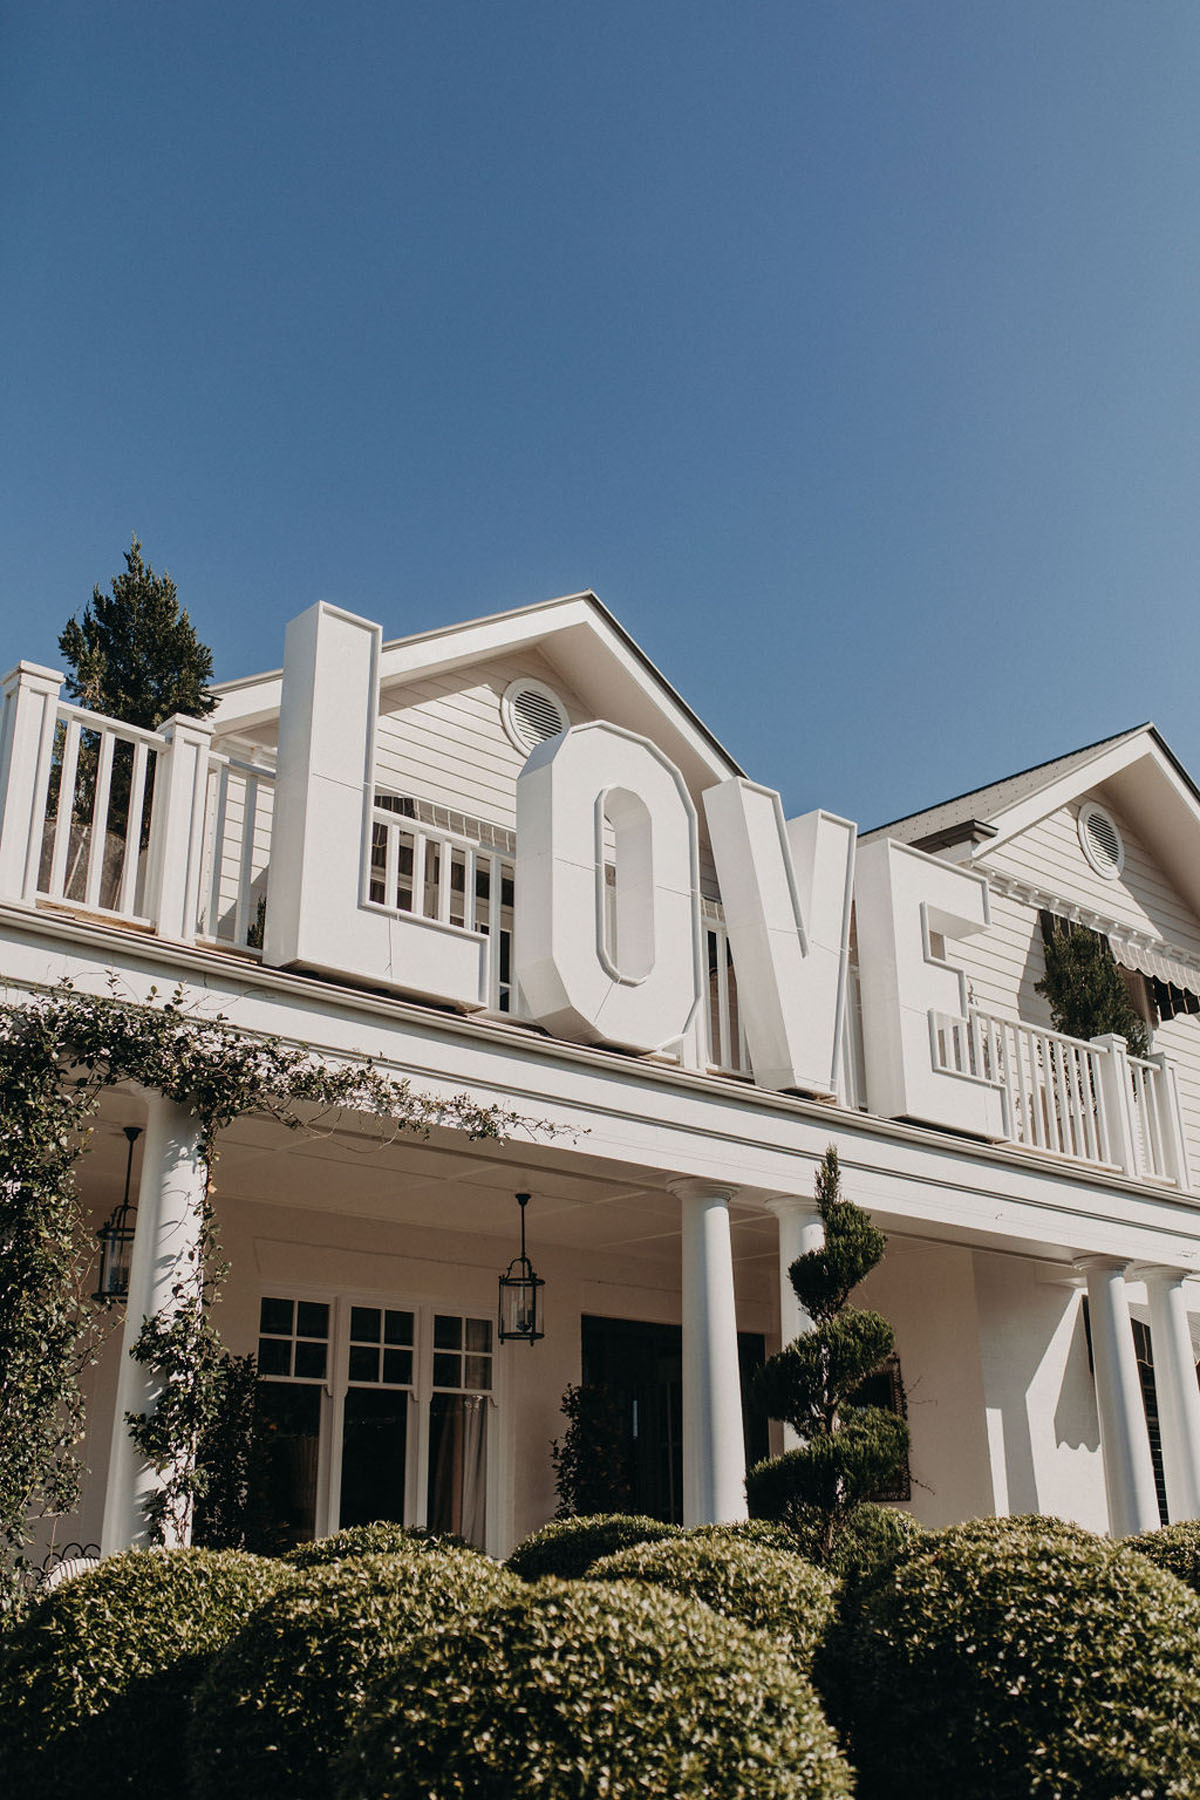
point(1178, 1391)
point(1124, 1439)
point(714, 1455)
point(166, 1233)
point(800, 1230)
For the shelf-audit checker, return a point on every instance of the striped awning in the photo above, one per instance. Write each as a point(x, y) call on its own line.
point(1133, 955)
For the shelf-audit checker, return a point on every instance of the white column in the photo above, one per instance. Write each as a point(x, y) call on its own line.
point(1116, 1100)
point(1177, 1389)
point(177, 827)
point(1124, 1439)
point(31, 696)
point(169, 1210)
point(800, 1230)
point(714, 1455)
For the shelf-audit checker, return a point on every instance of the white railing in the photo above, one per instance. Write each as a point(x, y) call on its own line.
point(433, 873)
point(239, 804)
point(1150, 1092)
point(727, 1050)
point(1090, 1102)
point(95, 832)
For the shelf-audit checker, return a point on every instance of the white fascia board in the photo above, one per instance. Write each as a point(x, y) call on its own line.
point(636, 1120)
point(569, 631)
point(1080, 780)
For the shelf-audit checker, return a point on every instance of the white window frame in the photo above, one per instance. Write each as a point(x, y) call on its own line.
point(337, 1383)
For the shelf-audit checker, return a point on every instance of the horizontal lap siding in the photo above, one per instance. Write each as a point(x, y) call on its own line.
point(1002, 964)
point(441, 738)
point(1049, 856)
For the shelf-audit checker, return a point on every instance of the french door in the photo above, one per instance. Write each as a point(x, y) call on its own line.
point(371, 1411)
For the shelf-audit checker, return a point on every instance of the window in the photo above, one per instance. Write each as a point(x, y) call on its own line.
point(369, 1411)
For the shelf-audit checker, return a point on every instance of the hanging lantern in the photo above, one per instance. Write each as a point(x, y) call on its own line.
point(519, 1306)
point(116, 1238)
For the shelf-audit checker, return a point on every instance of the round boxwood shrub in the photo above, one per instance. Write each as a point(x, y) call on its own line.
point(870, 1537)
point(1013, 1658)
point(568, 1547)
point(586, 1688)
point(95, 1683)
point(1175, 1548)
point(282, 1698)
point(769, 1590)
point(751, 1531)
point(383, 1538)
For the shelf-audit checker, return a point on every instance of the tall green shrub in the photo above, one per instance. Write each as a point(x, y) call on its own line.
point(847, 1451)
point(590, 1473)
point(1083, 985)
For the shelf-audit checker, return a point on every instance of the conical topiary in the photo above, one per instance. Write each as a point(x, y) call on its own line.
point(847, 1451)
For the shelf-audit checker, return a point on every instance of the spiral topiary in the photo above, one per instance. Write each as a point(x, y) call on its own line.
point(769, 1590)
point(1009, 1658)
point(587, 1688)
point(95, 1683)
point(282, 1698)
point(568, 1547)
point(383, 1538)
point(1176, 1548)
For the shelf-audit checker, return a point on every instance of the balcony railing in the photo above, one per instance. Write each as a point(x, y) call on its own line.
point(1090, 1102)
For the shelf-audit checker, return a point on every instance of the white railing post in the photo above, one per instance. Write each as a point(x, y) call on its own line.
point(31, 696)
point(1116, 1103)
point(177, 827)
point(1170, 1117)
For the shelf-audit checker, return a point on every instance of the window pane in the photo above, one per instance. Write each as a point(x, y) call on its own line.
point(479, 1336)
point(364, 1363)
point(310, 1361)
point(312, 1319)
point(283, 1490)
point(374, 1445)
point(397, 1366)
point(398, 1328)
point(274, 1356)
point(275, 1317)
point(447, 1371)
point(458, 1465)
point(479, 1372)
point(447, 1332)
point(364, 1324)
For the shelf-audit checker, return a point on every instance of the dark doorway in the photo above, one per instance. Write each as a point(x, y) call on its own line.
point(641, 1365)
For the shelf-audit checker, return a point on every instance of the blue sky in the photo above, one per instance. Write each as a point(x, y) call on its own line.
point(851, 352)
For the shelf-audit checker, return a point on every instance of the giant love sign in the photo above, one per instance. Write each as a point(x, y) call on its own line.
point(608, 941)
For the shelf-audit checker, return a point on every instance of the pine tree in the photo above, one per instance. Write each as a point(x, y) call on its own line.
point(847, 1451)
point(1088, 997)
point(135, 655)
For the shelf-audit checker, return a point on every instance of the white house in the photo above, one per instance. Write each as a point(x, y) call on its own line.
point(507, 859)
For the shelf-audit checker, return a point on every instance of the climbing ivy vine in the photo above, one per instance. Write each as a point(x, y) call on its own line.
point(58, 1052)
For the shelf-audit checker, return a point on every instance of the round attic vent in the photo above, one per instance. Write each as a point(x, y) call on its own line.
point(532, 712)
point(1102, 844)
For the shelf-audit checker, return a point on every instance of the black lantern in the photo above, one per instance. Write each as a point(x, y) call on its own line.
point(519, 1293)
point(116, 1238)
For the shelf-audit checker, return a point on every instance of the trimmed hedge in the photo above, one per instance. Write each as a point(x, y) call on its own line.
point(567, 1548)
point(95, 1684)
point(769, 1590)
point(871, 1536)
point(282, 1698)
point(1009, 1658)
point(383, 1538)
point(751, 1531)
point(1176, 1548)
point(585, 1688)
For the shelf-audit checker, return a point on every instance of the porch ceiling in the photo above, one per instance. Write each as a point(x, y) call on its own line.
point(443, 1182)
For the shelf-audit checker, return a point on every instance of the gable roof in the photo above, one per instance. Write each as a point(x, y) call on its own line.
point(576, 633)
point(1135, 769)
